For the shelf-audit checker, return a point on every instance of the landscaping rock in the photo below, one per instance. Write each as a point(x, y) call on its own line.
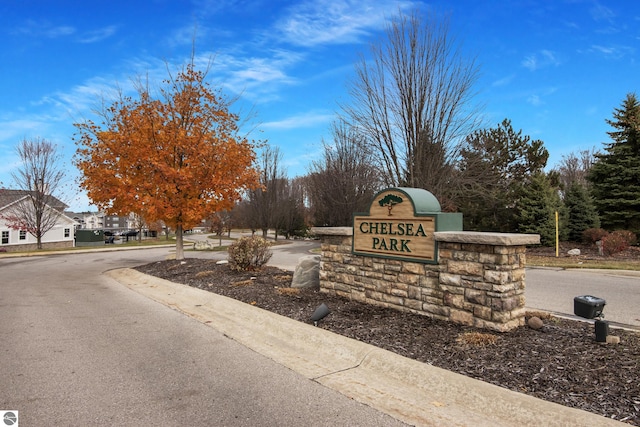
point(307, 273)
point(202, 246)
point(535, 323)
point(574, 252)
point(612, 339)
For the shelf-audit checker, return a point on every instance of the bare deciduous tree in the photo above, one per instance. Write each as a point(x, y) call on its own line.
point(574, 168)
point(263, 201)
point(39, 177)
point(344, 181)
point(413, 100)
point(291, 213)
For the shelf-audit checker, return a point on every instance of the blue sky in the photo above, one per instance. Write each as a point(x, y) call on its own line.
point(556, 68)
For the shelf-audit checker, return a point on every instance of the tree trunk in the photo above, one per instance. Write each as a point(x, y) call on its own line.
point(179, 243)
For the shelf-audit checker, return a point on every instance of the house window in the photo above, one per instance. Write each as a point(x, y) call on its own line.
point(66, 232)
point(5, 237)
point(23, 235)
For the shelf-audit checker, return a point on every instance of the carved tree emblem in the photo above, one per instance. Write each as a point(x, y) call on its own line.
point(390, 200)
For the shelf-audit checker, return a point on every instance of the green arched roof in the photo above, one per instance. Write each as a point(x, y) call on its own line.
point(423, 200)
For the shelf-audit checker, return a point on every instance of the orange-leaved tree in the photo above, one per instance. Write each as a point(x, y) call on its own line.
point(176, 157)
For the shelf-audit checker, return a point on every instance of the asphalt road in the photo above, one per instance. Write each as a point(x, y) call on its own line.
point(554, 290)
point(77, 348)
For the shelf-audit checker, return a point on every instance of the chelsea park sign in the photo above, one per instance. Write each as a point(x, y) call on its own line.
point(401, 223)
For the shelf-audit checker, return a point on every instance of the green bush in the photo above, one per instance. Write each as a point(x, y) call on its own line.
point(618, 241)
point(249, 253)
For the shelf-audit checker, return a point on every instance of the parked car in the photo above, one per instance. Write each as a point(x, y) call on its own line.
point(109, 236)
point(129, 233)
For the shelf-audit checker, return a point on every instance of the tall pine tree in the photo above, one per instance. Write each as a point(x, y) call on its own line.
point(615, 176)
point(495, 165)
point(582, 211)
point(537, 205)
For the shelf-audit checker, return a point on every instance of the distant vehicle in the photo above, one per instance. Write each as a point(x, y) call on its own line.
point(129, 233)
point(109, 236)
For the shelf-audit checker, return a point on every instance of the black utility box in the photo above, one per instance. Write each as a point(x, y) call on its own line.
point(602, 330)
point(588, 306)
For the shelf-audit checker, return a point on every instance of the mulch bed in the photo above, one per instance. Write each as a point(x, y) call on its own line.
point(560, 363)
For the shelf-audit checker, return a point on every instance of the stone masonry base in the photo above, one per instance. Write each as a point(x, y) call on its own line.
point(479, 278)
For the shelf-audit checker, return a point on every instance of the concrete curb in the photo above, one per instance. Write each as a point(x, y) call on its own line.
point(413, 392)
point(611, 272)
point(80, 251)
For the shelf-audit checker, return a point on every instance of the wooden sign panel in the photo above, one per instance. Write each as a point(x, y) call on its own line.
point(393, 229)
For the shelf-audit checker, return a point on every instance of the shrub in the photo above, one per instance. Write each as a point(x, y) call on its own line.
point(249, 253)
point(618, 241)
point(592, 235)
point(629, 236)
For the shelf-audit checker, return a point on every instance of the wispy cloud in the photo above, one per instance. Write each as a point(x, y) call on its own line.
point(541, 59)
point(614, 52)
point(534, 100)
point(316, 22)
point(44, 29)
point(18, 128)
point(13, 130)
point(8, 165)
point(256, 77)
point(503, 81)
point(304, 120)
point(82, 97)
point(538, 97)
point(48, 30)
point(607, 19)
point(600, 12)
point(98, 35)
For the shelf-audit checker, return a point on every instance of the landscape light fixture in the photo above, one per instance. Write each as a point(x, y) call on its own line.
point(320, 313)
point(590, 307)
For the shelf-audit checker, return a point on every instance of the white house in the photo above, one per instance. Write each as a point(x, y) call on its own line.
point(88, 220)
point(61, 235)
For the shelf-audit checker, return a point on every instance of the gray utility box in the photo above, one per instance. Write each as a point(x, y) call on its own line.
point(588, 306)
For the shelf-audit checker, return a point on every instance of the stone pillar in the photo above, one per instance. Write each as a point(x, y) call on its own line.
point(483, 277)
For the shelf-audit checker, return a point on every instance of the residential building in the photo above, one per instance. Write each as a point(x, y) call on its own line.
point(13, 239)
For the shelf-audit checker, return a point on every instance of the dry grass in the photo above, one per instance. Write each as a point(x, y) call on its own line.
point(289, 291)
point(477, 339)
point(575, 262)
point(206, 273)
point(284, 278)
point(247, 282)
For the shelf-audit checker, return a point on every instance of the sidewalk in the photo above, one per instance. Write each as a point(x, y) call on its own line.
point(413, 392)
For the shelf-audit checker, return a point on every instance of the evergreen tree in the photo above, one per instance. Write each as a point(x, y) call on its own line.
point(615, 176)
point(495, 164)
point(582, 212)
point(537, 205)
